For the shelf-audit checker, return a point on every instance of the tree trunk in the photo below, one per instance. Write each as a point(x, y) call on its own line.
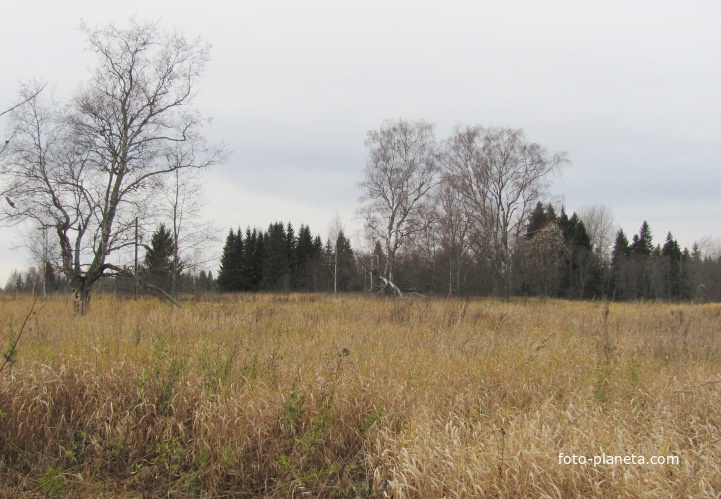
point(81, 297)
point(389, 284)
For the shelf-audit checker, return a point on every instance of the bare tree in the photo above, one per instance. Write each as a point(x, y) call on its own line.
point(88, 168)
point(44, 251)
point(500, 176)
point(401, 172)
point(709, 247)
point(335, 228)
point(545, 252)
point(598, 220)
point(180, 201)
point(453, 227)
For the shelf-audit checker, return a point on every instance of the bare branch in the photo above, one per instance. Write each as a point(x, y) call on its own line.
point(25, 99)
point(120, 271)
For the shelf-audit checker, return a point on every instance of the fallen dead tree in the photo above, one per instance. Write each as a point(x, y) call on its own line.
point(388, 286)
point(387, 283)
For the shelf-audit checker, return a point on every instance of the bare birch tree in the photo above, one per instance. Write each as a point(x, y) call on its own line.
point(453, 227)
point(598, 220)
point(87, 168)
point(335, 228)
point(500, 176)
point(401, 171)
point(180, 200)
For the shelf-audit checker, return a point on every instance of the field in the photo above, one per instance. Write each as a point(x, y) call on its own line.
point(351, 396)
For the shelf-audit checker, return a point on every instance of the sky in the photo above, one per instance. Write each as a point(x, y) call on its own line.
point(630, 90)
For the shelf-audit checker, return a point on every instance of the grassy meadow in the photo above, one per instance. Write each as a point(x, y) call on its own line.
point(353, 396)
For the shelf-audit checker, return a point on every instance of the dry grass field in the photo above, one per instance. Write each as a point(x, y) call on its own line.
point(350, 396)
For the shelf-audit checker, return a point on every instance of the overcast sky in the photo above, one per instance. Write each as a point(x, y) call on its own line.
point(631, 90)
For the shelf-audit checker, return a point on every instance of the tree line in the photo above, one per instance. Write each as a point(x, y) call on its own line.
point(466, 216)
point(279, 260)
point(161, 268)
point(641, 270)
point(558, 257)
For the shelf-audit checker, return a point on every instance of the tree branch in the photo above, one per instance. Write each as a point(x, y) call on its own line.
point(123, 271)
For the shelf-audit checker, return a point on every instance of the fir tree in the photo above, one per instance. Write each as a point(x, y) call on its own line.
point(49, 279)
point(619, 257)
point(230, 276)
point(226, 264)
point(540, 217)
point(246, 261)
point(643, 243)
point(305, 260)
point(329, 265)
point(158, 265)
point(261, 243)
point(580, 269)
point(672, 255)
point(536, 221)
point(317, 263)
point(292, 255)
point(585, 267)
point(346, 270)
point(276, 264)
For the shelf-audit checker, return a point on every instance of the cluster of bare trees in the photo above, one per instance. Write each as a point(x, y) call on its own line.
point(88, 168)
point(470, 195)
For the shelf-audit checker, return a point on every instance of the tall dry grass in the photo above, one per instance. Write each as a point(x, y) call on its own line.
point(324, 396)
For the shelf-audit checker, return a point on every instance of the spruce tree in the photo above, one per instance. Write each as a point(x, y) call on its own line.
point(346, 265)
point(253, 261)
point(619, 257)
point(585, 265)
point(540, 217)
point(671, 254)
point(246, 262)
point(276, 264)
point(643, 243)
point(329, 265)
point(536, 221)
point(230, 276)
point(158, 265)
point(292, 255)
point(49, 279)
point(202, 283)
point(304, 259)
point(226, 264)
point(643, 250)
point(317, 263)
point(580, 266)
point(261, 243)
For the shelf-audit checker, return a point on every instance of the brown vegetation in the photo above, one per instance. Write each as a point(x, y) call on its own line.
point(325, 396)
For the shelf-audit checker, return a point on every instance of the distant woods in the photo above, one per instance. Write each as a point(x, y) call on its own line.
point(557, 257)
point(469, 215)
point(278, 259)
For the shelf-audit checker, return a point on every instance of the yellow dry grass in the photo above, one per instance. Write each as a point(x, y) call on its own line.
point(349, 396)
